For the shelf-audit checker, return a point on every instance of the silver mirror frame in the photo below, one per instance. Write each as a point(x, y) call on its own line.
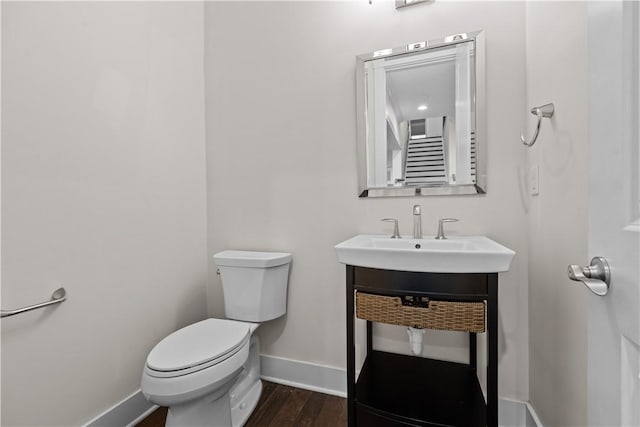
point(480, 187)
point(404, 3)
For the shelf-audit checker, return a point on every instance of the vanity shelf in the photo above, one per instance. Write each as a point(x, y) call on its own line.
point(398, 390)
point(418, 391)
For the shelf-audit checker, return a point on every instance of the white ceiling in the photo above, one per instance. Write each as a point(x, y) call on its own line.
point(431, 84)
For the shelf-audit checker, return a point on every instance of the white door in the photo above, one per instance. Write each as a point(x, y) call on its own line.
point(614, 212)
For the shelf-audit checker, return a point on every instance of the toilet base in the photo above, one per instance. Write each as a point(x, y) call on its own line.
point(245, 393)
point(243, 410)
point(230, 405)
point(210, 410)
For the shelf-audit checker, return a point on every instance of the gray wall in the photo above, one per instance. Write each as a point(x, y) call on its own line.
point(557, 72)
point(280, 110)
point(103, 191)
point(103, 184)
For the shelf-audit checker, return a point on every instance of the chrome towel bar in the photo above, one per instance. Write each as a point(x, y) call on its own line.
point(59, 295)
point(546, 111)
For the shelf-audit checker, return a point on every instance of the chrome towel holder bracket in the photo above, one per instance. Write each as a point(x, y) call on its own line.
point(545, 111)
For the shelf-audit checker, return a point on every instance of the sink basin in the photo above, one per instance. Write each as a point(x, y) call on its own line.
point(456, 254)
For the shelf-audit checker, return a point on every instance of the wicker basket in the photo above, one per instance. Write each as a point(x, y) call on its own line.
point(446, 315)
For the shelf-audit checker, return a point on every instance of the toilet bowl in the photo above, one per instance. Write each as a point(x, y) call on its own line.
point(208, 373)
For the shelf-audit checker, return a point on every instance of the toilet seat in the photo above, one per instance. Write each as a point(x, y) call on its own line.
point(197, 347)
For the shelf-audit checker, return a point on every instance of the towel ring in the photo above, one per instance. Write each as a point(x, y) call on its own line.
point(546, 111)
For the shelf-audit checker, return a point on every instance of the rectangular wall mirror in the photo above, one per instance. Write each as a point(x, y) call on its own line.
point(421, 122)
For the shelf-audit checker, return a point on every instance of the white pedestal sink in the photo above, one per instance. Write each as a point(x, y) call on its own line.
point(456, 254)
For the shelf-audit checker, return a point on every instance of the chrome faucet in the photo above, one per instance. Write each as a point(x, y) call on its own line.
point(441, 235)
point(417, 222)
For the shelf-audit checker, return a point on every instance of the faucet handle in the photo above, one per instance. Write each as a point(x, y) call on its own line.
point(441, 221)
point(396, 233)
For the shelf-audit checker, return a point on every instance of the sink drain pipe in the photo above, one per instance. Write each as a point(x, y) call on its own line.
point(415, 340)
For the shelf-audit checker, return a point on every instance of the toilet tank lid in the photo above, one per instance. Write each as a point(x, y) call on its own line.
point(251, 259)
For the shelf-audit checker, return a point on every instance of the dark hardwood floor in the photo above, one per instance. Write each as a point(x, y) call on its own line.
point(284, 406)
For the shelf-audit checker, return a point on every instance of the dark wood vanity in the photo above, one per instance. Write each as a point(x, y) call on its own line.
point(399, 390)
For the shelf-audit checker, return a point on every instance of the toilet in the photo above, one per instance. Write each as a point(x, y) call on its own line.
point(208, 373)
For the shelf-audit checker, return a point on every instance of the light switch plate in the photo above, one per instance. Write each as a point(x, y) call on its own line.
point(534, 181)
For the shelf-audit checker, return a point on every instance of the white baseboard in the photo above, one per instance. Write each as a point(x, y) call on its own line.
point(309, 376)
point(511, 413)
point(128, 412)
point(532, 419)
point(305, 375)
point(517, 413)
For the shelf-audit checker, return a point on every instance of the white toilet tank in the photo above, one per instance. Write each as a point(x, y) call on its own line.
point(254, 284)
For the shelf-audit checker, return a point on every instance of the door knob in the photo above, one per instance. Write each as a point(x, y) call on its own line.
point(596, 277)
